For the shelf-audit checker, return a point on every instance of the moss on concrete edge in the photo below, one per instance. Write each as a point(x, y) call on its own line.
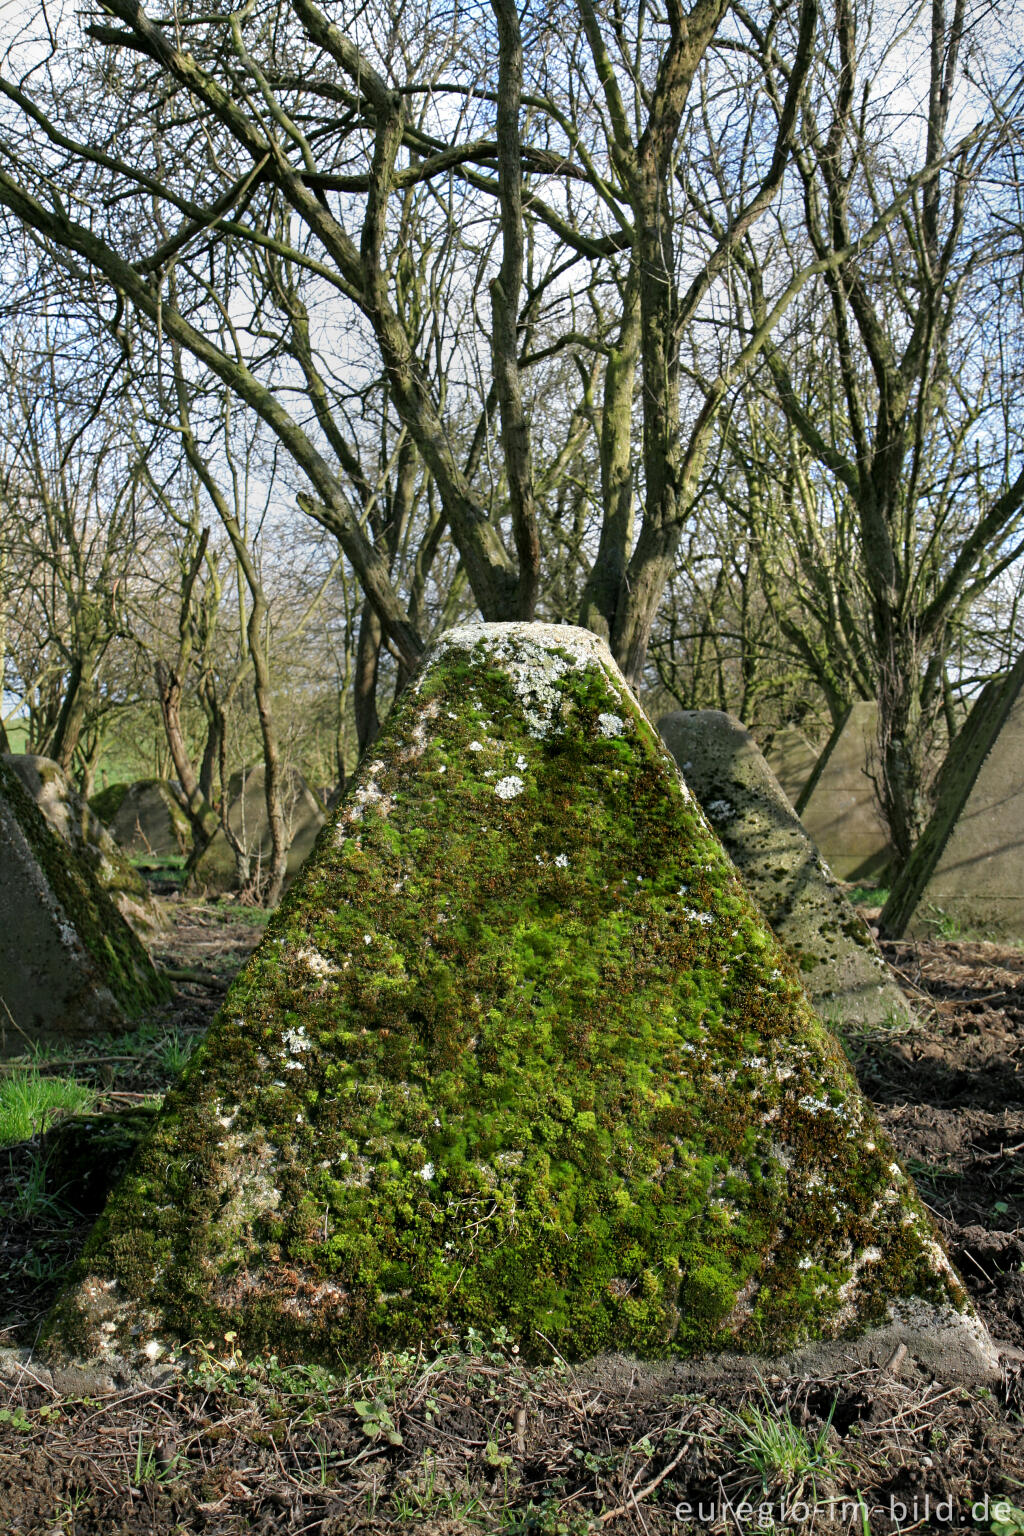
point(120, 958)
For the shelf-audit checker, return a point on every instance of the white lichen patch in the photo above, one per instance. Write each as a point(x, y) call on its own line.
point(509, 787)
point(846, 1295)
point(417, 743)
point(248, 1189)
point(318, 965)
point(224, 1117)
point(363, 797)
point(296, 1039)
point(704, 918)
point(534, 657)
point(610, 725)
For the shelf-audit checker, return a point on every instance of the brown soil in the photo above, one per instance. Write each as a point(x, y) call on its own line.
point(459, 1443)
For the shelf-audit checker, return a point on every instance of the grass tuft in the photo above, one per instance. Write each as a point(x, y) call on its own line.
point(30, 1102)
point(779, 1456)
point(175, 1051)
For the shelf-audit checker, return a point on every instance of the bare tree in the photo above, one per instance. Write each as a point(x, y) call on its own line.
point(897, 474)
point(277, 130)
point(73, 525)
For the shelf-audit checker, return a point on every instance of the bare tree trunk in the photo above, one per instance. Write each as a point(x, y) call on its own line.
point(505, 290)
point(215, 733)
point(200, 813)
point(71, 720)
point(364, 683)
point(603, 589)
point(271, 756)
point(255, 639)
point(90, 761)
point(5, 745)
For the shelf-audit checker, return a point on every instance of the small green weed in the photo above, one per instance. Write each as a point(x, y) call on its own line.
point(65, 1511)
point(1007, 1520)
point(30, 1198)
point(868, 895)
point(312, 1385)
point(240, 912)
point(43, 1266)
point(29, 1102)
point(781, 1456)
point(146, 1470)
point(23, 1421)
point(943, 925)
point(548, 1518)
point(932, 1172)
point(16, 1419)
point(377, 1423)
point(423, 1494)
point(166, 865)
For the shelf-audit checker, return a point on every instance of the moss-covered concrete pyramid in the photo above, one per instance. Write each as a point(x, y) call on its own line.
point(516, 1050)
point(968, 865)
point(144, 817)
point(831, 946)
point(792, 759)
point(69, 963)
point(838, 804)
point(74, 820)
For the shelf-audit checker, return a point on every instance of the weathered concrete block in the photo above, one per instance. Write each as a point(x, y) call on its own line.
point(516, 1050)
point(69, 963)
point(792, 759)
point(837, 959)
point(144, 818)
point(968, 867)
point(838, 805)
point(215, 869)
point(73, 819)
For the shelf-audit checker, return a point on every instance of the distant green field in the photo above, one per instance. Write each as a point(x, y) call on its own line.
point(122, 762)
point(17, 734)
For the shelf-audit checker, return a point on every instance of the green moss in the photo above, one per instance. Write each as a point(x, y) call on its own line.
point(107, 802)
point(531, 1062)
point(78, 825)
point(121, 959)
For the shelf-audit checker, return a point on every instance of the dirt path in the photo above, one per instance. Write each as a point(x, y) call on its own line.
point(211, 938)
point(951, 1095)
